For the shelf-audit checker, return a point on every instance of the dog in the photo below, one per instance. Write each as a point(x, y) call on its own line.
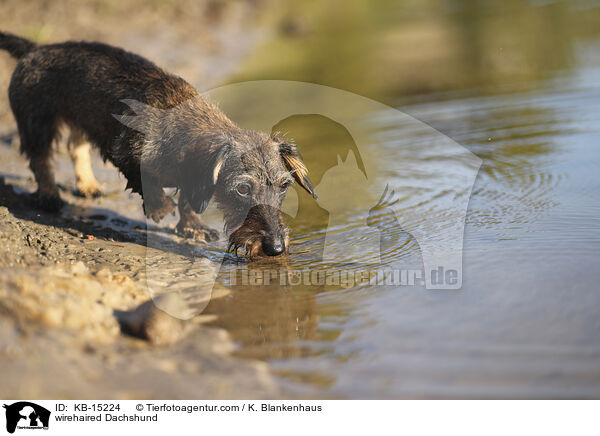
point(159, 132)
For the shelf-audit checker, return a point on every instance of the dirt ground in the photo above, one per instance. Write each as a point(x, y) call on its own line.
point(73, 288)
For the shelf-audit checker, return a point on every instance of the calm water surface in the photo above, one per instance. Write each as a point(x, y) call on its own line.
point(516, 83)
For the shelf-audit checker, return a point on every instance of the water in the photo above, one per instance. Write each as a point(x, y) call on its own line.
point(518, 85)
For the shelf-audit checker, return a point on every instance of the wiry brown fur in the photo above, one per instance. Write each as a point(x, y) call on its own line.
point(159, 132)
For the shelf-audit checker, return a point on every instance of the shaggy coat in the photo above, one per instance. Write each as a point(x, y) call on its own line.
point(159, 132)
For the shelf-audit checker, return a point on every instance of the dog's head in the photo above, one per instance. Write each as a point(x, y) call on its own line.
point(249, 174)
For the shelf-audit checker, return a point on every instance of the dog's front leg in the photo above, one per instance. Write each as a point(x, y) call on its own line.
point(156, 204)
point(191, 226)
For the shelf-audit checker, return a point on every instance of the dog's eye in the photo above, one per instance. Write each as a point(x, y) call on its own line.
point(243, 190)
point(284, 187)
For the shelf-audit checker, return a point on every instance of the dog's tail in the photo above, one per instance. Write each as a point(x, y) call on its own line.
point(15, 45)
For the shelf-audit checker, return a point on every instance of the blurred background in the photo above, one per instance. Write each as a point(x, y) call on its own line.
point(389, 50)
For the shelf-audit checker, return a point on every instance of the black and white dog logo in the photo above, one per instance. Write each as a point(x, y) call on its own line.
point(26, 415)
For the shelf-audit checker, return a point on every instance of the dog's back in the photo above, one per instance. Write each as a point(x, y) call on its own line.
point(82, 84)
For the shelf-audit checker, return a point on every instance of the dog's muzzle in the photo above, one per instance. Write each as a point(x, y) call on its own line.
point(262, 233)
point(273, 246)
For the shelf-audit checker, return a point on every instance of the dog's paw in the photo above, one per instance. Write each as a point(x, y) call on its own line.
point(196, 231)
point(89, 190)
point(49, 203)
point(156, 211)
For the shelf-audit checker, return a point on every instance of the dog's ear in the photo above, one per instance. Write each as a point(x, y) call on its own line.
point(199, 167)
point(293, 162)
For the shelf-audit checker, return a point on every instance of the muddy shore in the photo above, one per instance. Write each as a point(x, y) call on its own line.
point(76, 319)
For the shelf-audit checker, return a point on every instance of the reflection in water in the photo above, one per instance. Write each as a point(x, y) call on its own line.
point(269, 320)
point(516, 82)
point(400, 49)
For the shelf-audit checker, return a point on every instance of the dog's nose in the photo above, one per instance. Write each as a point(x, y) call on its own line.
point(273, 247)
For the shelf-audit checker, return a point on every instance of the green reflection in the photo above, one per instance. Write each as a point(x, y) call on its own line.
point(388, 49)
